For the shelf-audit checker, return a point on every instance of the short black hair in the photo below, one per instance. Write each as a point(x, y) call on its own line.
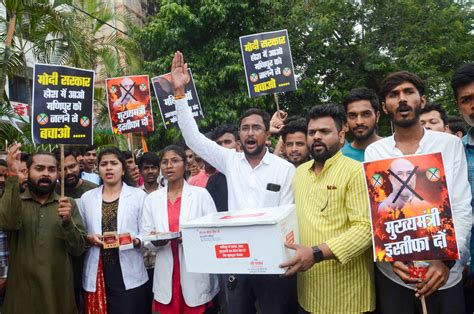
point(335, 111)
point(436, 107)
point(127, 154)
point(29, 162)
point(362, 94)
point(294, 125)
point(24, 157)
point(463, 76)
point(265, 116)
point(149, 158)
point(3, 162)
point(397, 78)
point(68, 151)
point(88, 148)
point(223, 129)
point(77, 150)
point(456, 124)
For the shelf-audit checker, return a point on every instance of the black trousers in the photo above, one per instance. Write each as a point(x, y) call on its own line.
point(393, 298)
point(272, 293)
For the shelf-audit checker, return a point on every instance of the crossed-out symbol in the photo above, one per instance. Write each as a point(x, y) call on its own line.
point(42, 118)
point(433, 174)
point(127, 91)
point(85, 121)
point(377, 180)
point(405, 184)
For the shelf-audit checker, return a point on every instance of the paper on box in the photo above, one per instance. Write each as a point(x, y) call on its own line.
point(111, 240)
point(126, 241)
point(242, 242)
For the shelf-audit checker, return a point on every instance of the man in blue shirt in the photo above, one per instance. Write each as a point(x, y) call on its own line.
point(463, 89)
point(363, 112)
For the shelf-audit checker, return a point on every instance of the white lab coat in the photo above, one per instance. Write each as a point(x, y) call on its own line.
point(197, 288)
point(129, 218)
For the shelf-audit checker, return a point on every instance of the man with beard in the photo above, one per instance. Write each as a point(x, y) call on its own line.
point(248, 174)
point(293, 135)
point(74, 186)
point(462, 84)
point(333, 258)
point(363, 113)
point(89, 163)
point(45, 231)
point(403, 97)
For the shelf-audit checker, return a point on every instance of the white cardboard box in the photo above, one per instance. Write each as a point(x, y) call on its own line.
point(242, 242)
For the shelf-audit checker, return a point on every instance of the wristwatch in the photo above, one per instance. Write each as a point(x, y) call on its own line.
point(317, 254)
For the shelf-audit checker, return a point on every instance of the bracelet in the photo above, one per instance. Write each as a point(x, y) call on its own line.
point(177, 97)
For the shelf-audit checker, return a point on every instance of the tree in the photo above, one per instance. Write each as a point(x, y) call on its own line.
point(336, 46)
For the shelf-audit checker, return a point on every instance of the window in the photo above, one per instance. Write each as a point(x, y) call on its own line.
point(18, 89)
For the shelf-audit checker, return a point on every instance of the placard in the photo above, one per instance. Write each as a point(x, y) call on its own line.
point(268, 63)
point(410, 209)
point(164, 95)
point(128, 99)
point(62, 105)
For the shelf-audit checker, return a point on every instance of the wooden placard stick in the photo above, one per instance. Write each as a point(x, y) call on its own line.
point(61, 149)
point(132, 148)
point(277, 101)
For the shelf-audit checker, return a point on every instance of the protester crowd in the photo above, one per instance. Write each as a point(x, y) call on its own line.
point(52, 256)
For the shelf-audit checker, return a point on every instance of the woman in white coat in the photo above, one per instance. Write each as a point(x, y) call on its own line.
point(175, 290)
point(114, 280)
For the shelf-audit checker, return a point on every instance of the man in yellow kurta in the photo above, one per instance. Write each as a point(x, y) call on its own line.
point(333, 258)
point(45, 230)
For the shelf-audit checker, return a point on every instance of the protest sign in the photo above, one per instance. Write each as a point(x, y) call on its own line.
point(268, 63)
point(410, 209)
point(164, 95)
point(128, 99)
point(62, 105)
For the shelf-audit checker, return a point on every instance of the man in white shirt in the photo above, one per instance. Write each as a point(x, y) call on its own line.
point(248, 174)
point(402, 95)
point(90, 158)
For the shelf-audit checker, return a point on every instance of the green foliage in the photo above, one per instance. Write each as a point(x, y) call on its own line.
point(336, 46)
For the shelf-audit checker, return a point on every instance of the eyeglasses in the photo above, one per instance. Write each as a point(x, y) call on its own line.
point(171, 162)
point(256, 128)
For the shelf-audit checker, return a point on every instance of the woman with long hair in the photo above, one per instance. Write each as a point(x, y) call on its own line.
point(113, 280)
point(177, 291)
